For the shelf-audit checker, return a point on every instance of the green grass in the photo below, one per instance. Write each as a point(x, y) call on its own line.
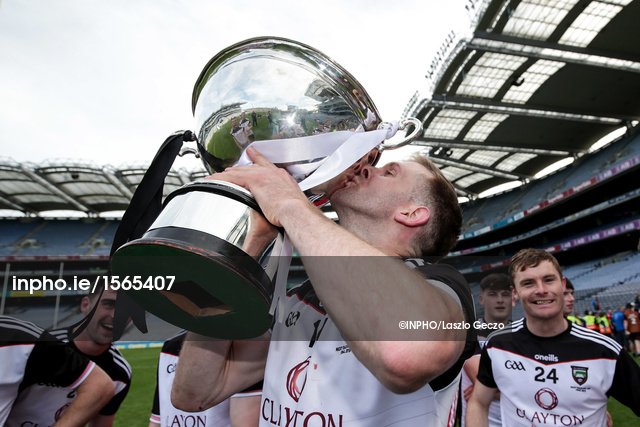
point(222, 145)
point(136, 408)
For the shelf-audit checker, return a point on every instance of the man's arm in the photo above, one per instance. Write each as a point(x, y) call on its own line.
point(102, 421)
point(244, 411)
point(478, 405)
point(365, 291)
point(93, 393)
point(211, 370)
point(471, 369)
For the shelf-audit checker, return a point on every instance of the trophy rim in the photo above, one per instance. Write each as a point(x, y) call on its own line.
point(210, 67)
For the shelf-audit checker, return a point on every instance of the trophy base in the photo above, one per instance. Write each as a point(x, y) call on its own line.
point(217, 290)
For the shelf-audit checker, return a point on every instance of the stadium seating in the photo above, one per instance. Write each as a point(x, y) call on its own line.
point(484, 212)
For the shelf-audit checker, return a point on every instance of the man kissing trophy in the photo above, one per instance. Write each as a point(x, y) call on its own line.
point(225, 261)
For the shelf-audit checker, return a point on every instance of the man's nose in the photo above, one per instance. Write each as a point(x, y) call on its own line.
point(540, 288)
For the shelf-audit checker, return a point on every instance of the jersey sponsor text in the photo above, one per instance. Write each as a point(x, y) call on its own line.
point(277, 415)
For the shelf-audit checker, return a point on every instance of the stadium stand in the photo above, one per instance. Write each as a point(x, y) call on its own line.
point(483, 213)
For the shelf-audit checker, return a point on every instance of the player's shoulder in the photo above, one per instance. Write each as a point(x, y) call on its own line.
point(506, 334)
point(173, 345)
point(114, 364)
point(61, 334)
point(595, 340)
point(15, 331)
point(439, 272)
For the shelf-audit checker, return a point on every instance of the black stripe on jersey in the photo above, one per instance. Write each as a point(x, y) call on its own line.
point(596, 337)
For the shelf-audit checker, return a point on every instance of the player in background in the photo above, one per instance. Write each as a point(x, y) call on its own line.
point(569, 300)
point(497, 298)
point(549, 371)
point(95, 341)
point(36, 368)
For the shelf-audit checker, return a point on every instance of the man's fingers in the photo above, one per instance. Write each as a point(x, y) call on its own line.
point(258, 158)
point(228, 176)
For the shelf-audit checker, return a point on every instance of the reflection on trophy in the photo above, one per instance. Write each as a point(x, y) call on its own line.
point(306, 114)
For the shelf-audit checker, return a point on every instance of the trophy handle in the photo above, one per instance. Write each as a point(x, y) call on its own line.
point(189, 150)
point(417, 130)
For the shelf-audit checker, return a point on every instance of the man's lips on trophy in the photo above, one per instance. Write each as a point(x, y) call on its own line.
point(345, 181)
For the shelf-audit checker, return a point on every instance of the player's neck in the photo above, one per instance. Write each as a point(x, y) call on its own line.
point(490, 319)
point(89, 347)
point(547, 327)
point(382, 238)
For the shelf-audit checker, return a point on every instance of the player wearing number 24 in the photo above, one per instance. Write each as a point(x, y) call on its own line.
point(548, 370)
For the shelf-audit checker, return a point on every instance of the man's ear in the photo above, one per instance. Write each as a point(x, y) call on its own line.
point(85, 304)
point(413, 216)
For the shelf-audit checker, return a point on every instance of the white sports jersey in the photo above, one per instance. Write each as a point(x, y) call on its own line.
point(39, 376)
point(313, 379)
point(558, 381)
point(165, 414)
point(17, 340)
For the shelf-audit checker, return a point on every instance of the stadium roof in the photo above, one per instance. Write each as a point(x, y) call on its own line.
point(69, 186)
point(538, 81)
point(534, 83)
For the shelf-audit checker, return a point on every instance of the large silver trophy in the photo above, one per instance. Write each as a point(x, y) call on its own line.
point(301, 110)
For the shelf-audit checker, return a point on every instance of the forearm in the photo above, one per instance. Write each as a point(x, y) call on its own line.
point(93, 394)
point(211, 370)
point(102, 421)
point(477, 414)
point(244, 411)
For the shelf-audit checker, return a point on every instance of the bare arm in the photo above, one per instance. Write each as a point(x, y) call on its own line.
point(94, 392)
point(211, 370)
point(471, 369)
point(366, 292)
point(102, 421)
point(478, 406)
point(244, 411)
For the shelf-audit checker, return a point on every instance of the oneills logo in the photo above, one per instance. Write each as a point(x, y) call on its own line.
point(296, 379)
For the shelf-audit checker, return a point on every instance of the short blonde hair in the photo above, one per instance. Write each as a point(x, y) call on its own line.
point(443, 229)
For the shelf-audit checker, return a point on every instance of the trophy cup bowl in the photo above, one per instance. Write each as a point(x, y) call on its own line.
point(210, 234)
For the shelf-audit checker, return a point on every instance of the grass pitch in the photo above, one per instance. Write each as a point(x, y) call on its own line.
point(136, 408)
